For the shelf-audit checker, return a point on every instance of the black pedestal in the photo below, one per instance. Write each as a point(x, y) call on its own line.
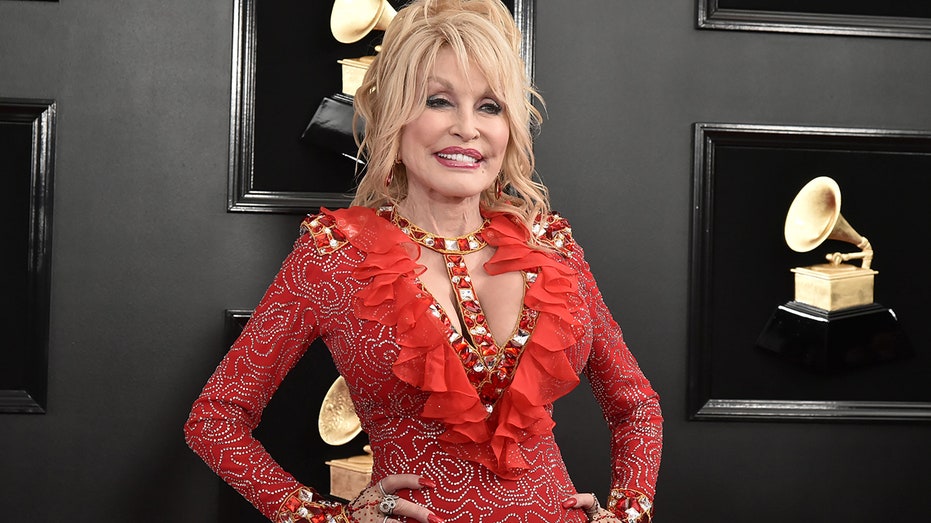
point(331, 125)
point(836, 340)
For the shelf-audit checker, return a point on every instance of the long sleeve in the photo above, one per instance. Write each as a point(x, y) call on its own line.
point(630, 405)
point(219, 428)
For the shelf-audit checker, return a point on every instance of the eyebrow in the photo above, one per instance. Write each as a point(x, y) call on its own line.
point(489, 93)
point(445, 83)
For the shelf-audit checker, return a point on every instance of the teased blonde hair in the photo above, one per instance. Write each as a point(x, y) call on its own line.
point(393, 93)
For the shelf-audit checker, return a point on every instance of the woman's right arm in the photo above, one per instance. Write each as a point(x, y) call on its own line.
point(219, 428)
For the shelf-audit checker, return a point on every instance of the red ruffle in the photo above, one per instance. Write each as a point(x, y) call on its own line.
point(427, 360)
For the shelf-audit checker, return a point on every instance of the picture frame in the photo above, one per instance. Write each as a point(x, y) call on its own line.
point(284, 63)
point(745, 176)
point(828, 17)
point(27, 159)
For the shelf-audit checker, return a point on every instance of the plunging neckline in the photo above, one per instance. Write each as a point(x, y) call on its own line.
point(489, 366)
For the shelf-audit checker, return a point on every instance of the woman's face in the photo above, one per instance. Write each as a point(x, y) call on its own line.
point(455, 148)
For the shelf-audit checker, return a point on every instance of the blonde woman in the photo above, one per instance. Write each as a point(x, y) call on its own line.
point(455, 304)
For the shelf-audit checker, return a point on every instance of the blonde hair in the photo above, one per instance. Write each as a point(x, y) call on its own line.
point(393, 93)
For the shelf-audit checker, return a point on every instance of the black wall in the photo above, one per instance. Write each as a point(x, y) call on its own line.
point(146, 258)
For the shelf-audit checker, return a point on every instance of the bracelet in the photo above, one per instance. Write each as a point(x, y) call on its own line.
point(631, 506)
point(593, 510)
point(304, 504)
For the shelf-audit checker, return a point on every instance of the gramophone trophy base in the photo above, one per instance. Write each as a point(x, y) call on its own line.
point(349, 476)
point(833, 287)
point(353, 72)
point(833, 341)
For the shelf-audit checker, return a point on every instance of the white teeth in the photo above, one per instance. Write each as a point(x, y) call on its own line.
point(458, 158)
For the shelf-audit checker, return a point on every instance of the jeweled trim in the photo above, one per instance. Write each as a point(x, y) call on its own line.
point(554, 230)
point(327, 237)
point(304, 504)
point(471, 242)
point(630, 506)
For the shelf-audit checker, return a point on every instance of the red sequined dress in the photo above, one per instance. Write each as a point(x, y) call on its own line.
point(430, 406)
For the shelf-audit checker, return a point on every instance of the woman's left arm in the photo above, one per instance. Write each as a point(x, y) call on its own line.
point(630, 406)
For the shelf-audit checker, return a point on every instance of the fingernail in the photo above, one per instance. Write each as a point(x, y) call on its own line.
point(569, 503)
point(433, 518)
point(424, 482)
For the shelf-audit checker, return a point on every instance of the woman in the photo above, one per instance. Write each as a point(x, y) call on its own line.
point(454, 393)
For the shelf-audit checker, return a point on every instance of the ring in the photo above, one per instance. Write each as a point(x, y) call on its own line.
point(593, 510)
point(387, 504)
point(382, 488)
point(386, 519)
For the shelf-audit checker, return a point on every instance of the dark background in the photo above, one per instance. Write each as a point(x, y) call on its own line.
point(146, 258)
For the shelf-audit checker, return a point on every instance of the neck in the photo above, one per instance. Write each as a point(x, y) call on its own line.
point(442, 219)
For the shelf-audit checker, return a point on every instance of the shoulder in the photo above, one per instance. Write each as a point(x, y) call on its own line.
point(330, 231)
point(554, 231)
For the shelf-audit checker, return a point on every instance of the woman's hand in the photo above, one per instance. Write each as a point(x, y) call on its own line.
point(589, 503)
point(378, 503)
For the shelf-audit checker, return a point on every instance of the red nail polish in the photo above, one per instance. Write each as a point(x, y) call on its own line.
point(424, 482)
point(569, 503)
point(433, 518)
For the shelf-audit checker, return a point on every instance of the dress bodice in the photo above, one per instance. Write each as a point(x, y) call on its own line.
point(352, 281)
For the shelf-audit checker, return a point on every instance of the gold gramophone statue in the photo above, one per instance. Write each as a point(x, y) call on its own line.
point(814, 217)
point(350, 22)
point(833, 323)
point(338, 425)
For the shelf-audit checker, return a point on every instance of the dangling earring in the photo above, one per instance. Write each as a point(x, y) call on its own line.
point(389, 178)
point(498, 189)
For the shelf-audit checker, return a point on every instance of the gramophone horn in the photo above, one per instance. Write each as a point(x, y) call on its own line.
point(351, 20)
point(814, 216)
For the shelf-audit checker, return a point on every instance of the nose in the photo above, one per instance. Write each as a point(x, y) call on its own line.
point(465, 126)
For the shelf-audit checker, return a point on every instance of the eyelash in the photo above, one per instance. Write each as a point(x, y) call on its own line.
point(437, 102)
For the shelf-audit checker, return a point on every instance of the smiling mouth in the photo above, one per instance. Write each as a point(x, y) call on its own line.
point(458, 157)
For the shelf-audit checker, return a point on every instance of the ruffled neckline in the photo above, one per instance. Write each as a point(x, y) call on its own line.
point(426, 358)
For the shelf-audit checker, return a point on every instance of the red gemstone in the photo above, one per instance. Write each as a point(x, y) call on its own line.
point(471, 306)
point(489, 391)
point(463, 244)
point(499, 379)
